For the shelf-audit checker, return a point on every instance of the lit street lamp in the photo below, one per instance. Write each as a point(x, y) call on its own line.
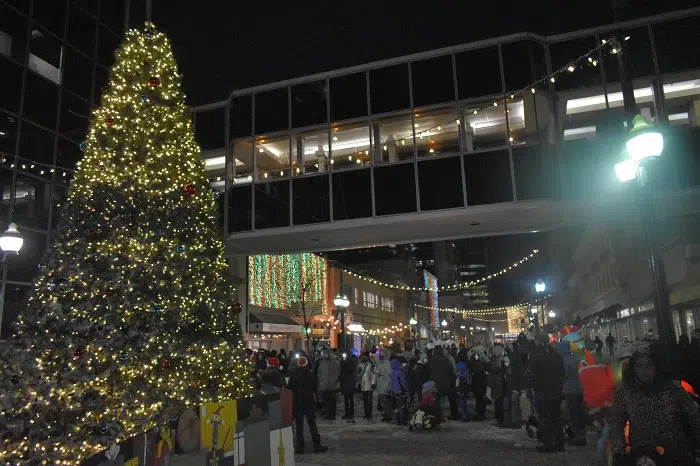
point(11, 242)
point(552, 314)
point(444, 323)
point(413, 321)
point(644, 144)
point(540, 286)
point(341, 303)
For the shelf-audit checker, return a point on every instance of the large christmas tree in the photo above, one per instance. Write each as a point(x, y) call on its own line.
point(131, 319)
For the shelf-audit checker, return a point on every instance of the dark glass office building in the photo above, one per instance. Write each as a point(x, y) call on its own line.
point(54, 56)
point(452, 128)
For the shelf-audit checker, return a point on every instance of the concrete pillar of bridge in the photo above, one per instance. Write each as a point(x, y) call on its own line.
point(321, 160)
point(301, 169)
point(391, 149)
point(376, 144)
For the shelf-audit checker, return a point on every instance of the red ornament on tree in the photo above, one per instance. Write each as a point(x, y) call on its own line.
point(166, 364)
point(108, 293)
point(77, 354)
point(154, 81)
point(237, 308)
point(110, 121)
point(190, 189)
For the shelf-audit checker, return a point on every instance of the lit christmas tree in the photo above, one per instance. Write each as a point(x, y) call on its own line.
point(132, 318)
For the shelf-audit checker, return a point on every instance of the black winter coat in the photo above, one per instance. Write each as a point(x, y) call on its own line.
point(348, 377)
point(545, 373)
point(477, 368)
point(302, 382)
point(441, 373)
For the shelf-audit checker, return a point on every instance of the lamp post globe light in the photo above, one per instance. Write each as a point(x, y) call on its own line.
point(643, 142)
point(341, 302)
point(413, 321)
point(444, 323)
point(540, 286)
point(552, 314)
point(11, 240)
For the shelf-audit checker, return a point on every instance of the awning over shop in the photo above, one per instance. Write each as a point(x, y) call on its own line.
point(688, 289)
point(270, 323)
point(609, 312)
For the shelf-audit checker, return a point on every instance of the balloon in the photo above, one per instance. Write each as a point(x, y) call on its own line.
point(598, 385)
point(576, 339)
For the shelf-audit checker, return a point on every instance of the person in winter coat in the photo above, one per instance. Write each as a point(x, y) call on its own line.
point(516, 385)
point(610, 343)
point(422, 369)
point(328, 374)
point(627, 349)
point(545, 375)
point(573, 393)
point(260, 360)
point(348, 385)
point(367, 380)
point(284, 361)
point(463, 385)
point(477, 368)
point(414, 384)
point(497, 381)
point(598, 346)
point(383, 383)
point(661, 415)
point(399, 388)
point(443, 373)
point(303, 384)
point(271, 376)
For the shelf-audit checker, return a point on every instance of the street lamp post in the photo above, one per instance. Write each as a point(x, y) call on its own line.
point(644, 144)
point(413, 322)
point(539, 288)
point(341, 303)
point(11, 242)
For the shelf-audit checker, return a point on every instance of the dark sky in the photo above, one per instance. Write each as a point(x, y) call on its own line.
point(223, 45)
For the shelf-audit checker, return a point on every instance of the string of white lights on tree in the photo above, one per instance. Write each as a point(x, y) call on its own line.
point(459, 286)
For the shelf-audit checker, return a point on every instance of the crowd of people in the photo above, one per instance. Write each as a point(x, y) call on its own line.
point(526, 381)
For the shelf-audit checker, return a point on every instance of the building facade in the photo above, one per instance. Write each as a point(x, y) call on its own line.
point(54, 57)
point(611, 289)
point(290, 294)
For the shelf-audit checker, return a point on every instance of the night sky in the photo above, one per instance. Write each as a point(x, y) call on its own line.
point(226, 45)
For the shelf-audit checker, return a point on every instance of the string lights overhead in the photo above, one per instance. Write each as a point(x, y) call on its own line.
point(460, 286)
point(485, 311)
